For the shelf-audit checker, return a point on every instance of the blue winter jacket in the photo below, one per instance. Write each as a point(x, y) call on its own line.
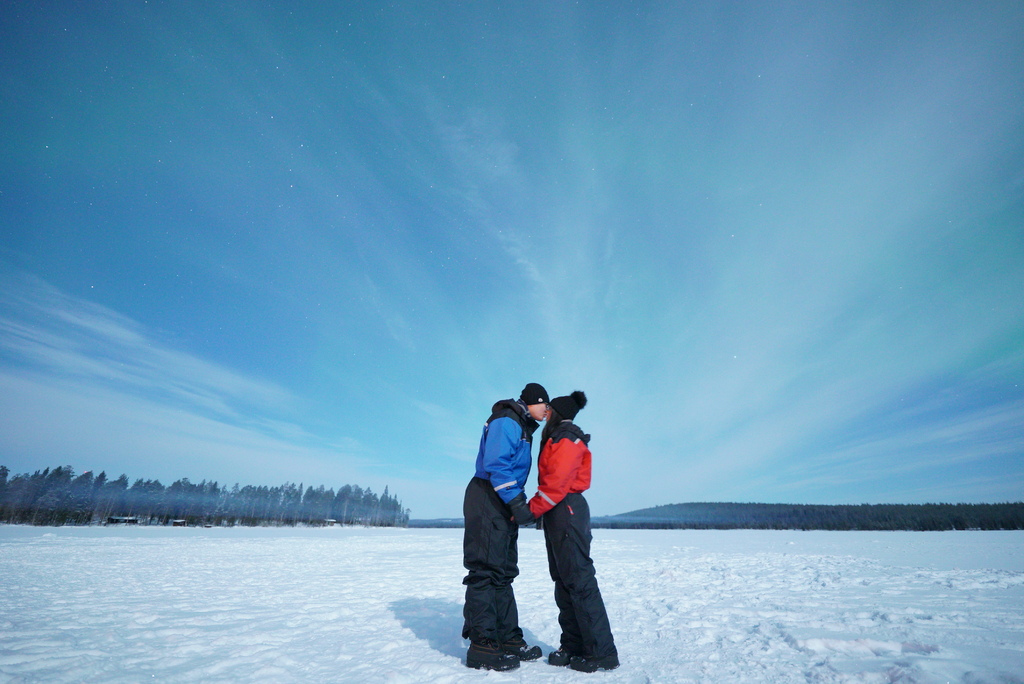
point(504, 456)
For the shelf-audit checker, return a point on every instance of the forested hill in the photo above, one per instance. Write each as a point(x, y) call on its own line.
point(1001, 516)
point(58, 496)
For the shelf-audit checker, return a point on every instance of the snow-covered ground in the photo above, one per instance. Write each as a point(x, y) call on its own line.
point(384, 605)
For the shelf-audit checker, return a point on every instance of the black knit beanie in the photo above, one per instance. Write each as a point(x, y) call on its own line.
point(534, 394)
point(569, 406)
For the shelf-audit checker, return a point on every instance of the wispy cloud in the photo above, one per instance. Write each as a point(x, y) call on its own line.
point(82, 381)
point(48, 330)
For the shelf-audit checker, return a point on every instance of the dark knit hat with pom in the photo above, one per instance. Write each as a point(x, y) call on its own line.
point(534, 394)
point(569, 406)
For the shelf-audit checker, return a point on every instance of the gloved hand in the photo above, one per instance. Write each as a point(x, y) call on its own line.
point(521, 513)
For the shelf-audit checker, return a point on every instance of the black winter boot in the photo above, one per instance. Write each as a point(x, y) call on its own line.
point(521, 650)
point(488, 655)
point(592, 664)
point(559, 658)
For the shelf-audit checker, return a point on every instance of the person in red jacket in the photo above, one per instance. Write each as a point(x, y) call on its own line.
point(563, 468)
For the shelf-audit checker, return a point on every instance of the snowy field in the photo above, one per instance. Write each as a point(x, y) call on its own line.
point(384, 605)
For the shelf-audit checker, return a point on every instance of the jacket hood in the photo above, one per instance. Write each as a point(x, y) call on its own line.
point(517, 410)
point(569, 429)
point(508, 404)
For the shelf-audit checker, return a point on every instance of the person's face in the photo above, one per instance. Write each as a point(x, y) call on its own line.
point(539, 411)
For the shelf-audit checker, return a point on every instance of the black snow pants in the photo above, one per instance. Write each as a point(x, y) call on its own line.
point(581, 613)
point(491, 555)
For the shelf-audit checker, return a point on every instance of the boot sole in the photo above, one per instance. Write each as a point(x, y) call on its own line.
point(480, 665)
point(596, 669)
point(591, 669)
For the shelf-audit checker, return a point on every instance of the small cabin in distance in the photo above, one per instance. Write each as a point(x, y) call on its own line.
point(123, 520)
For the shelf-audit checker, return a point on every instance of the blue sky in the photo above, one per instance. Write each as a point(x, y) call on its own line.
point(779, 245)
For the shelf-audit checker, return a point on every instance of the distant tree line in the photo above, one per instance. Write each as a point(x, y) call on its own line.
point(724, 516)
point(59, 497)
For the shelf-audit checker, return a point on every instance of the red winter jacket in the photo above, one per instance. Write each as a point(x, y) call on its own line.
point(562, 467)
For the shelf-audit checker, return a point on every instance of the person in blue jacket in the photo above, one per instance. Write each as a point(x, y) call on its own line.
point(494, 508)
